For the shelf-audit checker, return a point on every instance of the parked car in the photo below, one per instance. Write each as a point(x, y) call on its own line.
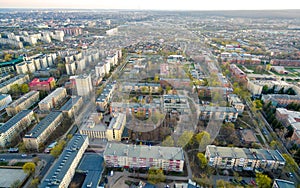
point(2, 159)
point(24, 155)
point(289, 174)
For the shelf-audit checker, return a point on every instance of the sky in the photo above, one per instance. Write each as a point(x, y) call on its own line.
point(155, 4)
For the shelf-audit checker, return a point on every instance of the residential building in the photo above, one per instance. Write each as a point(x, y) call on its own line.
point(237, 72)
point(218, 113)
point(279, 183)
point(279, 69)
point(93, 129)
point(13, 127)
point(63, 170)
point(100, 70)
point(71, 68)
point(81, 65)
point(5, 100)
point(22, 68)
point(6, 85)
point(244, 158)
point(40, 133)
point(23, 103)
point(280, 100)
point(74, 31)
point(141, 87)
point(131, 108)
point(41, 84)
point(256, 86)
point(53, 99)
point(104, 98)
point(236, 102)
point(84, 85)
point(116, 127)
point(287, 63)
point(141, 156)
point(72, 106)
point(176, 102)
point(290, 118)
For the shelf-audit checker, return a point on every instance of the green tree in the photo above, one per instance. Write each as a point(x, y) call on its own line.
point(24, 88)
point(224, 184)
point(56, 151)
point(156, 78)
point(273, 144)
point(202, 160)
point(184, 139)
point(16, 184)
point(7, 57)
point(168, 142)
point(29, 167)
point(15, 89)
point(203, 139)
point(34, 183)
point(168, 89)
point(156, 175)
point(263, 181)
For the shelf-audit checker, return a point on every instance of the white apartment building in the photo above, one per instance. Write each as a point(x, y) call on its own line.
point(53, 99)
point(5, 100)
point(83, 85)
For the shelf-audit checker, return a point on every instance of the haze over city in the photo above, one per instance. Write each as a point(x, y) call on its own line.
point(155, 4)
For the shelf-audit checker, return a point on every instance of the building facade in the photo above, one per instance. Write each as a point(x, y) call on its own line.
point(84, 85)
point(52, 100)
point(42, 84)
point(23, 103)
point(115, 129)
point(5, 100)
point(141, 156)
point(20, 79)
point(218, 113)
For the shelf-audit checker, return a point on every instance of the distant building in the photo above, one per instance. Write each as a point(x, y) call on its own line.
point(74, 31)
point(141, 156)
point(116, 127)
point(23, 103)
point(53, 99)
point(71, 68)
point(63, 170)
point(256, 86)
point(279, 69)
point(40, 133)
point(244, 158)
point(237, 72)
point(13, 127)
point(93, 130)
point(287, 63)
point(84, 85)
point(72, 106)
point(278, 183)
point(40, 84)
point(5, 100)
point(175, 102)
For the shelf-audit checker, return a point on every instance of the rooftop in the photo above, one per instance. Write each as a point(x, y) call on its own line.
point(63, 163)
point(56, 92)
point(70, 103)
point(284, 183)
point(116, 122)
point(142, 151)
point(14, 120)
point(23, 98)
point(5, 83)
point(42, 125)
point(217, 109)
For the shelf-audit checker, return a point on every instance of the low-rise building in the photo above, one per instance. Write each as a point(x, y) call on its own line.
point(116, 127)
point(104, 98)
point(5, 100)
point(141, 156)
point(256, 86)
point(236, 102)
point(52, 100)
point(40, 133)
point(62, 172)
point(23, 103)
point(72, 106)
point(6, 85)
point(279, 183)
point(13, 127)
point(218, 113)
point(280, 100)
point(175, 102)
point(93, 130)
point(40, 84)
point(237, 72)
point(244, 158)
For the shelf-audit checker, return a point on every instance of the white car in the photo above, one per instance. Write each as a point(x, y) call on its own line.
point(24, 155)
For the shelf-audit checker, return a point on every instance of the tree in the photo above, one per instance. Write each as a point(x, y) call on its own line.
point(29, 167)
point(202, 160)
point(224, 184)
point(15, 89)
point(56, 150)
point(291, 164)
point(156, 78)
point(203, 139)
point(16, 184)
point(265, 89)
point(34, 183)
point(156, 175)
point(24, 88)
point(263, 181)
point(7, 57)
point(185, 138)
point(168, 142)
point(273, 144)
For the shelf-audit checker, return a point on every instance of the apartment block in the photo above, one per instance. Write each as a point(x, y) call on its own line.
point(53, 99)
point(22, 68)
point(100, 70)
point(280, 100)
point(71, 68)
point(20, 79)
point(63, 170)
point(72, 106)
point(13, 127)
point(244, 158)
point(40, 133)
point(23, 103)
point(5, 100)
point(236, 102)
point(104, 98)
point(237, 72)
point(93, 130)
point(42, 84)
point(116, 126)
point(256, 86)
point(218, 113)
point(84, 85)
point(141, 156)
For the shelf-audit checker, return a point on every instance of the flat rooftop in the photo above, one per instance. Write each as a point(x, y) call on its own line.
point(70, 103)
point(6, 176)
point(14, 120)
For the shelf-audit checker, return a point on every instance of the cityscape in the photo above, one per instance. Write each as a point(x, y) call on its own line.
point(140, 98)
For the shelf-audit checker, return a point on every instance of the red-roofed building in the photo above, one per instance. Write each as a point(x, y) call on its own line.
point(41, 84)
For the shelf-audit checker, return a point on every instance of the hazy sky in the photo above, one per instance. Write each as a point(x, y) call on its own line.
point(155, 4)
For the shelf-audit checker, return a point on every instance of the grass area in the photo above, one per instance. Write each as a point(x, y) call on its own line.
point(19, 164)
point(3, 163)
point(260, 139)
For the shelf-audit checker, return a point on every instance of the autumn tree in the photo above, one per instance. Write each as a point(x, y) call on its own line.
point(29, 167)
point(24, 88)
point(34, 183)
point(291, 165)
point(185, 138)
point(202, 160)
point(156, 175)
point(263, 181)
point(168, 142)
point(56, 150)
point(203, 139)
